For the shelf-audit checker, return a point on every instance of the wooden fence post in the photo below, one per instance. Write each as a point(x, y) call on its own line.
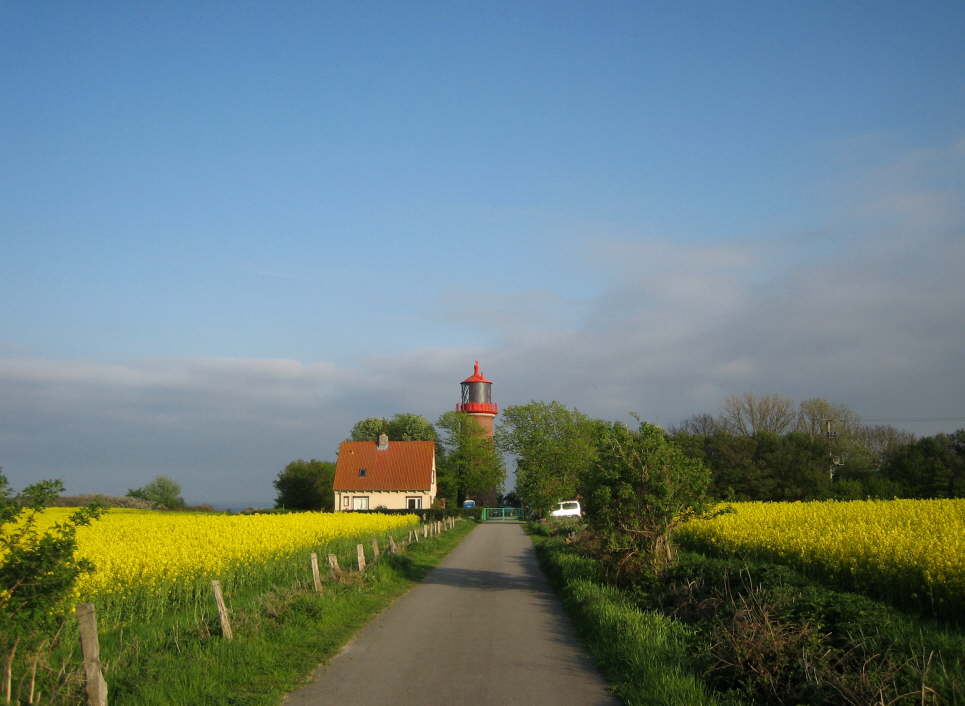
point(96, 686)
point(416, 535)
point(360, 550)
point(425, 531)
point(376, 552)
point(393, 547)
point(316, 577)
point(333, 565)
point(222, 610)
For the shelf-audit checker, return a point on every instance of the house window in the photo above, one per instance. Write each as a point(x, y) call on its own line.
point(346, 501)
point(361, 473)
point(413, 503)
point(360, 502)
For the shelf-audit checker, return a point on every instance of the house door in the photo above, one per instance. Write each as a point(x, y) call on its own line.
point(360, 503)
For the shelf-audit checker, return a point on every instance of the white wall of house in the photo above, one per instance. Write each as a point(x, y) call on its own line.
point(389, 499)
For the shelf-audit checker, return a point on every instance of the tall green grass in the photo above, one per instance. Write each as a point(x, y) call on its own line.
point(643, 654)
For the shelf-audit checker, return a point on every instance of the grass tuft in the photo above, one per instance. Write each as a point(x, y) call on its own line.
point(643, 654)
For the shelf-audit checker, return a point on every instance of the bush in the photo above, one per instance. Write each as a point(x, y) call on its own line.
point(641, 487)
point(38, 571)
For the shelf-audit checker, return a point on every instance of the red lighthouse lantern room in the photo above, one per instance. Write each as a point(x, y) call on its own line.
point(477, 399)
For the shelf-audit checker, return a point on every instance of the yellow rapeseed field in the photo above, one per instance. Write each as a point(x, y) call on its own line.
point(911, 551)
point(160, 553)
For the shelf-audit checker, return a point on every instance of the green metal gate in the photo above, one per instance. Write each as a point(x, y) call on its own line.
point(502, 514)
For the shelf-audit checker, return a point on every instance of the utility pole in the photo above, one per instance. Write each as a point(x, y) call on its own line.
point(831, 436)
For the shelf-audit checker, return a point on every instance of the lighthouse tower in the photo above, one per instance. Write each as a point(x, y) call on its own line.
point(477, 400)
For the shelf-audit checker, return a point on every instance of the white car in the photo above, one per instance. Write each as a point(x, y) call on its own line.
point(567, 508)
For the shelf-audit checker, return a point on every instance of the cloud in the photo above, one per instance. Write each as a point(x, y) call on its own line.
point(870, 316)
point(221, 427)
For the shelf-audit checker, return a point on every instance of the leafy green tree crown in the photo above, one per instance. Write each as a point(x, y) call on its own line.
point(641, 487)
point(306, 485)
point(402, 427)
point(554, 445)
point(162, 492)
point(469, 465)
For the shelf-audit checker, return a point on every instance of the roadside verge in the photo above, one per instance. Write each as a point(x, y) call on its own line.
point(280, 636)
point(641, 653)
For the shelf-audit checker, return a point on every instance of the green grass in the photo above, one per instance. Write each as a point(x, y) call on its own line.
point(750, 631)
point(281, 633)
point(643, 654)
point(850, 643)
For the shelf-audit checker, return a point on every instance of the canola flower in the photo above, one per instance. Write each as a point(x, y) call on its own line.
point(911, 552)
point(161, 557)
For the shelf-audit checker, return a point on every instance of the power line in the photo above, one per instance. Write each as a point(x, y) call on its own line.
point(914, 419)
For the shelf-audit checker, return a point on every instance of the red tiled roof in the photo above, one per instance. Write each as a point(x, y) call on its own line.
point(404, 465)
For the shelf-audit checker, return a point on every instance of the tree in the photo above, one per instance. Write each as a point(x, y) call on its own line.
point(553, 445)
point(737, 471)
point(38, 570)
point(306, 485)
point(845, 443)
point(932, 467)
point(882, 440)
point(640, 487)
point(162, 492)
point(368, 429)
point(748, 414)
point(402, 427)
point(798, 464)
point(411, 427)
point(812, 416)
point(470, 465)
point(511, 499)
point(697, 424)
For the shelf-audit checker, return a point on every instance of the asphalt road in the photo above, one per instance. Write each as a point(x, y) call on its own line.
point(484, 627)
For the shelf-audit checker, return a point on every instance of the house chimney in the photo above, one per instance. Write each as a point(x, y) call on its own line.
point(383, 442)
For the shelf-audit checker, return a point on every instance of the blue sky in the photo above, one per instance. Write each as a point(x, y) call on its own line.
point(229, 230)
